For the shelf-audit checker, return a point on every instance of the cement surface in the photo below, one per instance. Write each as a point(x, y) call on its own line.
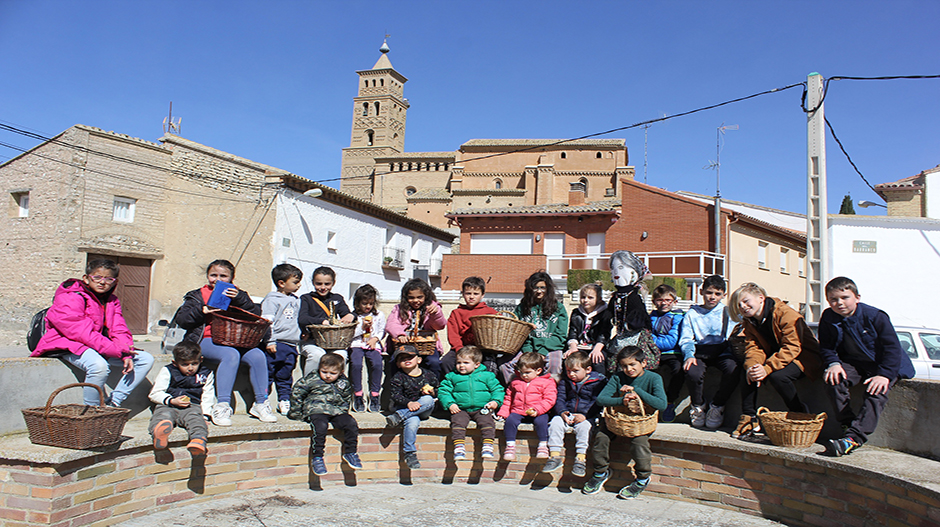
point(434, 504)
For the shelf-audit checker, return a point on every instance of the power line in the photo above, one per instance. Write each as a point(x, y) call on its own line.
point(857, 171)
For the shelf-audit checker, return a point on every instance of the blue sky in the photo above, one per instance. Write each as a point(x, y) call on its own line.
point(274, 81)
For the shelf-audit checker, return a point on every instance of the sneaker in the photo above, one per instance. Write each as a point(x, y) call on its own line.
point(358, 404)
point(197, 446)
point(509, 454)
point(632, 490)
point(748, 425)
point(553, 464)
point(161, 434)
point(579, 468)
point(353, 461)
point(542, 452)
point(263, 412)
point(318, 466)
point(715, 417)
point(222, 414)
point(843, 446)
point(595, 484)
point(393, 419)
point(283, 407)
point(697, 413)
point(411, 460)
point(669, 414)
point(375, 405)
point(488, 452)
point(460, 453)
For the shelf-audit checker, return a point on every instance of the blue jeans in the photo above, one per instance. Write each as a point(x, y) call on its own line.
point(228, 359)
point(411, 421)
point(98, 368)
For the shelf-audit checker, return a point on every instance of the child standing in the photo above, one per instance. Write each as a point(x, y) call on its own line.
point(576, 410)
point(631, 384)
point(529, 397)
point(412, 395)
point(540, 307)
point(85, 322)
point(858, 344)
point(590, 326)
point(321, 307)
point(281, 308)
point(666, 323)
point(704, 343)
point(459, 330)
point(417, 311)
point(367, 343)
point(471, 392)
point(322, 398)
point(183, 392)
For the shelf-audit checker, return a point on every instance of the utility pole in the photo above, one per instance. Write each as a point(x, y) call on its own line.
point(817, 212)
point(717, 166)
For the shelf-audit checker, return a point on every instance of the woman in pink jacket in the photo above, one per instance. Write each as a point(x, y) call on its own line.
point(418, 311)
point(86, 326)
point(529, 397)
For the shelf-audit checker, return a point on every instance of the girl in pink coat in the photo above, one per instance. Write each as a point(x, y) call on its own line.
point(529, 397)
point(87, 329)
point(418, 311)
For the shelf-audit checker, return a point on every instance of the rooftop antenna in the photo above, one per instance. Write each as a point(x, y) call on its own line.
point(716, 165)
point(646, 136)
point(169, 125)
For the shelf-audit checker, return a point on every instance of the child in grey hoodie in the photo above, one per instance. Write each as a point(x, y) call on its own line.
point(281, 308)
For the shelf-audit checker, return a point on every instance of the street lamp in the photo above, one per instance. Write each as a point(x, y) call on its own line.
point(316, 193)
point(865, 204)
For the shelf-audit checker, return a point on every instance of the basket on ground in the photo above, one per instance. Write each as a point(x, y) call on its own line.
point(626, 422)
point(75, 425)
point(425, 342)
point(791, 429)
point(502, 333)
point(333, 337)
point(237, 328)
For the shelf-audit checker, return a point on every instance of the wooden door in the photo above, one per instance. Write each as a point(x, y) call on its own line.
point(133, 288)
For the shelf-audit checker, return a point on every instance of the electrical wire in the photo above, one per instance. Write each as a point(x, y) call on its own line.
point(838, 142)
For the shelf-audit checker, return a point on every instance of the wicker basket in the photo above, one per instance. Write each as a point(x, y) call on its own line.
point(75, 425)
point(237, 328)
point(791, 429)
point(502, 333)
point(336, 337)
point(425, 342)
point(626, 423)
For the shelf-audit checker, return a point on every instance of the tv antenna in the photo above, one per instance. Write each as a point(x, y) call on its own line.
point(169, 125)
point(646, 137)
point(716, 165)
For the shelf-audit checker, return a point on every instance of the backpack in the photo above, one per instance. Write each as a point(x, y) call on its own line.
point(37, 328)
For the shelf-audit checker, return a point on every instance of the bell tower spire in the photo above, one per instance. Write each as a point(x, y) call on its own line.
point(378, 124)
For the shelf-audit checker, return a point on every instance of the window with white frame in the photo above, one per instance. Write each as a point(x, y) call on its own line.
point(124, 209)
point(20, 204)
point(331, 241)
point(762, 255)
point(801, 264)
point(784, 258)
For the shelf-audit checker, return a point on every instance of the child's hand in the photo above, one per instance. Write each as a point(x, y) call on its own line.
point(629, 397)
point(756, 373)
point(689, 363)
point(272, 348)
point(531, 412)
point(206, 309)
point(231, 292)
point(877, 385)
point(427, 389)
point(492, 405)
point(578, 418)
point(128, 363)
point(414, 406)
point(566, 417)
point(433, 309)
point(597, 356)
point(180, 402)
point(626, 388)
point(835, 374)
point(403, 339)
point(453, 409)
point(373, 342)
point(571, 349)
point(347, 319)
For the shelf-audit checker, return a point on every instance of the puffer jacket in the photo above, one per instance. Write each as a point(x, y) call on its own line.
point(580, 398)
point(77, 321)
point(312, 396)
point(470, 392)
point(539, 394)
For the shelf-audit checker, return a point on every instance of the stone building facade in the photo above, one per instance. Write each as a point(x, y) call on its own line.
point(907, 197)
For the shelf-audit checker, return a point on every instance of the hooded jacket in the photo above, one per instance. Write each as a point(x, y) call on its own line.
point(470, 392)
point(580, 398)
point(549, 333)
point(538, 394)
point(312, 396)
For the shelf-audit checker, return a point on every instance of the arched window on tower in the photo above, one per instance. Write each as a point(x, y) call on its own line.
point(498, 184)
point(564, 155)
point(381, 82)
point(370, 137)
point(599, 155)
point(376, 107)
point(365, 108)
point(373, 83)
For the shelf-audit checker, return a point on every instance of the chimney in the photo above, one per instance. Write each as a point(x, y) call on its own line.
point(576, 194)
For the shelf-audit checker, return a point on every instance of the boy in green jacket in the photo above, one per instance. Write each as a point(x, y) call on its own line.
point(471, 392)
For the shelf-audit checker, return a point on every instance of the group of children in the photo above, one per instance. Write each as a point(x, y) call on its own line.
point(558, 381)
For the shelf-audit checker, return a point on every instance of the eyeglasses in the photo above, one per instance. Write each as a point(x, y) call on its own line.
point(540, 288)
point(102, 279)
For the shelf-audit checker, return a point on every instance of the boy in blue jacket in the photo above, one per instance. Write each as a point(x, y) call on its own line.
point(666, 324)
point(575, 409)
point(858, 344)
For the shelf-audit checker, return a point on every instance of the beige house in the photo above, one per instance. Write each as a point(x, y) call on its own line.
point(907, 197)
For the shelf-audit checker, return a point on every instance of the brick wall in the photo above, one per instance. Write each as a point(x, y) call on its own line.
point(504, 273)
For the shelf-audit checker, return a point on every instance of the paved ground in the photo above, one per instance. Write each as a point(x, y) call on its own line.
point(434, 504)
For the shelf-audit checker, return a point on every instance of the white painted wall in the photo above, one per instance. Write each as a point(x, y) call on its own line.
point(360, 238)
point(899, 277)
point(500, 244)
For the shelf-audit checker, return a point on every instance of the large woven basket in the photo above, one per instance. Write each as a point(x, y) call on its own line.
point(791, 429)
point(237, 328)
point(331, 337)
point(502, 333)
point(627, 423)
point(75, 425)
point(425, 342)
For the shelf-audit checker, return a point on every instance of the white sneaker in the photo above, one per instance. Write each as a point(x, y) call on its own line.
point(283, 407)
point(222, 414)
point(715, 417)
point(697, 413)
point(263, 412)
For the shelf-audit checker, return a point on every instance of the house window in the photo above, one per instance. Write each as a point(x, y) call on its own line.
point(564, 155)
point(331, 241)
point(499, 184)
point(762, 255)
point(19, 208)
point(124, 209)
point(784, 257)
point(801, 264)
point(598, 156)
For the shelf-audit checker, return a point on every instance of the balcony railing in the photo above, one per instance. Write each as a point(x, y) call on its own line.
point(435, 268)
point(393, 257)
point(684, 264)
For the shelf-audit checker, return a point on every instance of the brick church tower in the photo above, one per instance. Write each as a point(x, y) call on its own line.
point(378, 125)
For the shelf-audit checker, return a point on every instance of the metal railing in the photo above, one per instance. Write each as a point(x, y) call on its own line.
point(393, 257)
point(674, 263)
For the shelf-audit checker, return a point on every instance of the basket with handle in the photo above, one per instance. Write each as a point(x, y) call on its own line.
point(75, 426)
point(332, 337)
point(791, 429)
point(625, 422)
point(425, 342)
point(237, 328)
point(502, 333)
